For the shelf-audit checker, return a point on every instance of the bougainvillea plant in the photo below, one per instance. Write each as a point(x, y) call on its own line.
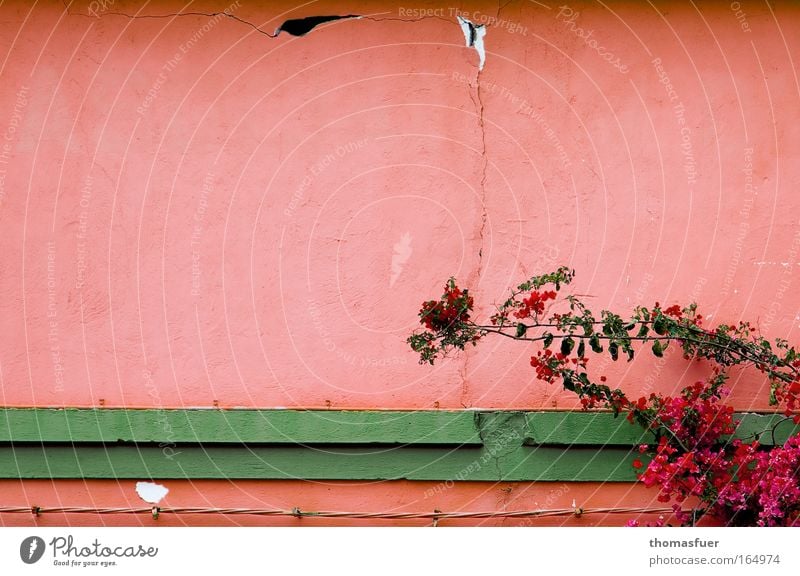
point(695, 458)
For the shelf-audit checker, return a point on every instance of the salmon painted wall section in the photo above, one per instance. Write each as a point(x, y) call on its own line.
point(388, 497)
point(195, 212)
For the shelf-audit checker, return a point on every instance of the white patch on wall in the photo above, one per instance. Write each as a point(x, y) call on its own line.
point(474, 38)
point(151, 492)
point(402, 252)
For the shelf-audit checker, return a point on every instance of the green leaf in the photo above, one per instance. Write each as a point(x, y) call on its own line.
point(660, 325)
point(568, 383)
point(548, 339)
point(613, 349)
point(566, 346)
point(521, 329)
point(594, 342)
point(581, 349)
point(643, 331)
point(658, 349)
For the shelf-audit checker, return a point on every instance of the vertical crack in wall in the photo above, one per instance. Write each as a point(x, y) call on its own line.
point(473, 36)
point(484, 170)
point(463, 375)
point(497, 467)
point(473, 281)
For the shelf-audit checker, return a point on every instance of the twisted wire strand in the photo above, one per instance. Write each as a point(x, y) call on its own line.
point(298, 513)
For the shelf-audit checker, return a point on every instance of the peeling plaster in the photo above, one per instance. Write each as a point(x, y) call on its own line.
point(474, 38)
point(502, 433)
point(151, 492)
point(302, 26)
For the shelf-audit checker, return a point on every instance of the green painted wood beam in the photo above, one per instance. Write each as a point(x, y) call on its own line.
point(238, 426)
point(587, 428)
point(520, 463)
point(467, 428)
point(329, 445)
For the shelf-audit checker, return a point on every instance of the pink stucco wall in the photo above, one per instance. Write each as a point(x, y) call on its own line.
point(365, 497)
point(193, 213)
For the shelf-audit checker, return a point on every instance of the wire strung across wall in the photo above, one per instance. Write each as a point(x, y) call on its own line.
point(436, 515)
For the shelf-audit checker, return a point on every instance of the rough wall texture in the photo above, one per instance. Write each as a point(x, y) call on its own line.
point(194, 212)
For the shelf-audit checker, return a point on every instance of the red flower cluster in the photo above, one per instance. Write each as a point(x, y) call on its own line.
point(445, 314)
point(689, 460)
point(547, 364)
point(695, 418)
point(767, 485)
point(743, 483)
point(686, 316)
point(791, 396)
point(534, 304)
point(551, 365)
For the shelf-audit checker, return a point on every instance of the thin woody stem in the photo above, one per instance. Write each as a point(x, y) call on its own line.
point(741, 350)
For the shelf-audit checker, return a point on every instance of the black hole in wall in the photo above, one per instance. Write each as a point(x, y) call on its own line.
point(301, 26)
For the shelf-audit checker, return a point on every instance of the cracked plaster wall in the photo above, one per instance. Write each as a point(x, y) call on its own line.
point(196, 212)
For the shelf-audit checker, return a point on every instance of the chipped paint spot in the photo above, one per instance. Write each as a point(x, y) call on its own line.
point(474, 38)
point(151, 492)
point(302, 26)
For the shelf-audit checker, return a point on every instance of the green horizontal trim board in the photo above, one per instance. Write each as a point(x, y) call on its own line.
point(467, 428)
point(520, 463)
point(601, 428)
point(329, 445)
point(238, 426)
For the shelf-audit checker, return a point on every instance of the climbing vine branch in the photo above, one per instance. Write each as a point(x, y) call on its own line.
point(693, 454)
